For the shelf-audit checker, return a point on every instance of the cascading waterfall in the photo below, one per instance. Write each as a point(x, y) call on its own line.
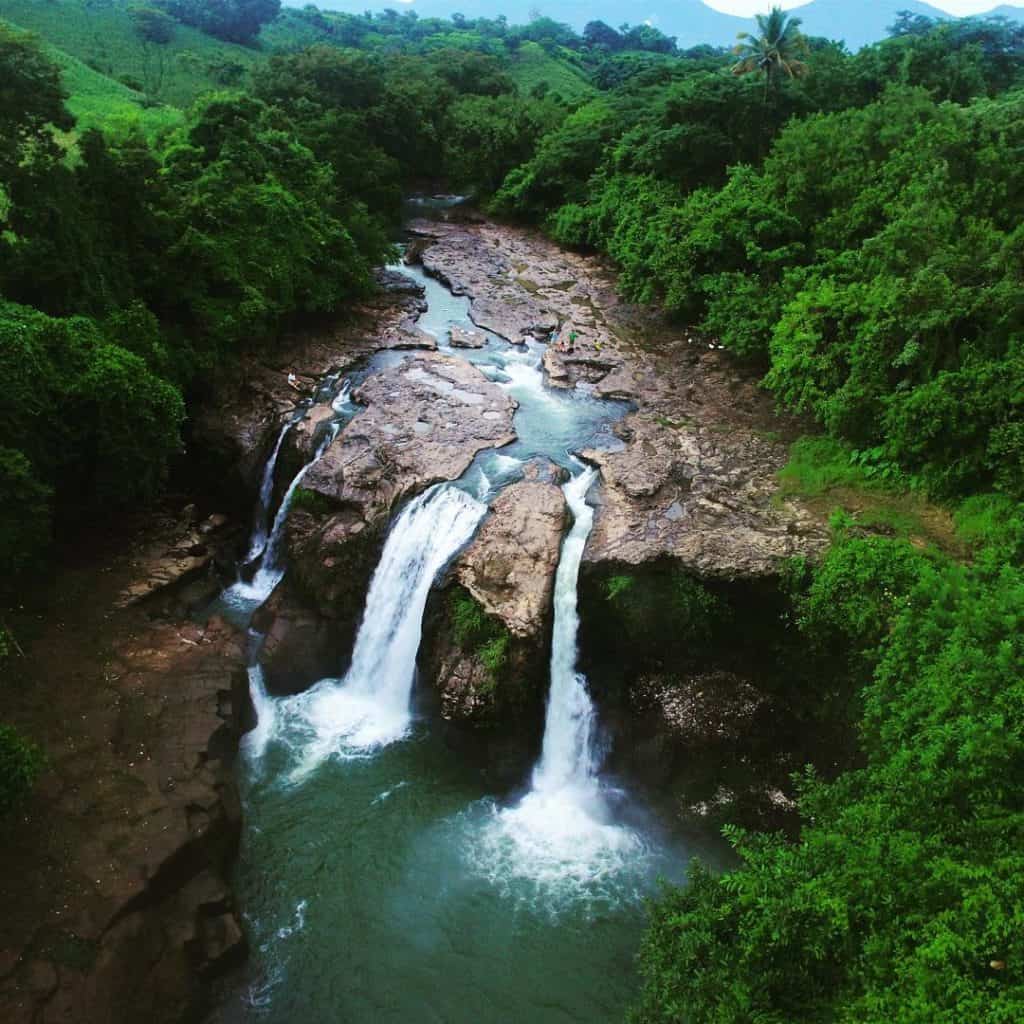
point(370, 706)
point(561, 835)
point(567, 754)
point(271, 571)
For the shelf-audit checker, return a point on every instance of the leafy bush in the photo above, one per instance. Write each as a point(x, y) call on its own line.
point(24, 515)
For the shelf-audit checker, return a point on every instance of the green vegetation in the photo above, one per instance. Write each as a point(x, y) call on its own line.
point(478, 633)
point(899, 901)
point(103, 35)
point(21, 763)
point(537, 73)
point(642, 609)
point(314, 502)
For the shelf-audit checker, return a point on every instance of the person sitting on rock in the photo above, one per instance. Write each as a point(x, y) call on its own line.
point(293, 381)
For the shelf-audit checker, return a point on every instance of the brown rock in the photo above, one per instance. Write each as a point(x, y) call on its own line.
point(461, 338)
point(510, 566)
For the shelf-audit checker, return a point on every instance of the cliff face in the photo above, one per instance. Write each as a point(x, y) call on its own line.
point(117, 904)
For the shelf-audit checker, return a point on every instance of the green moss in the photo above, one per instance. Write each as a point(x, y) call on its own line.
point(314, 502)
point(21, 763)
point(494, 653)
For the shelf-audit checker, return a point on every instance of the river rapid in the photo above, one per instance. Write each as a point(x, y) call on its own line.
point(379, 879)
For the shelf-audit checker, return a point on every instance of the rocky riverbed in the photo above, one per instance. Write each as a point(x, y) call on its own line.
point(116, 873)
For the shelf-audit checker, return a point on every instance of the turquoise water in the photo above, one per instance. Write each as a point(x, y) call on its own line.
point(376, 891)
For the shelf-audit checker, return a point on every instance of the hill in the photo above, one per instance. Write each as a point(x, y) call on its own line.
point(101, 36)
point(531, 66)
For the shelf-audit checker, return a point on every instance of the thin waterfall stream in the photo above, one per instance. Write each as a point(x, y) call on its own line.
point(380, 878)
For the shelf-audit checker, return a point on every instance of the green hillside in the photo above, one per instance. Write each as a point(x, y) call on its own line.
point(101, 36)
point(532, 66)
point(100, 102)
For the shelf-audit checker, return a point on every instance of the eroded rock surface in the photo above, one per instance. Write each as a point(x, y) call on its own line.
point(703, 497)
point(694, 478)
point(510, 566)
point(114, 879)
point(424, 422)
point(233, 432)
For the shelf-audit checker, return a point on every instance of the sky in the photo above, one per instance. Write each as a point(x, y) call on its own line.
point(748, 7)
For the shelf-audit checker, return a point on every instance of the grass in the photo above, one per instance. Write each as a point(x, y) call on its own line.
point(101, 36)
point(99, 102)
point(992, 521)
point(531, 66)
point(823, 474)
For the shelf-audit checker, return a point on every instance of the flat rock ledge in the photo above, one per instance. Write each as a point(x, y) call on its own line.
point(705, 499)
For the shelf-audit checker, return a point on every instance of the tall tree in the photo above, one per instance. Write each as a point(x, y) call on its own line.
point(777, 50)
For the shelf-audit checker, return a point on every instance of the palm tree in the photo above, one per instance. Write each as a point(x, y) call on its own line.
point(777, 50)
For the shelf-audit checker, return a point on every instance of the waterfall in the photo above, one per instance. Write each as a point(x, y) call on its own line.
point(255, 741)
point(567, 754)
point(370, 706)
point(261, 520)
point(251, 595)
point(561, 835)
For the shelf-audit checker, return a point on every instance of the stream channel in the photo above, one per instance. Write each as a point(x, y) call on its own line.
point(379, 878)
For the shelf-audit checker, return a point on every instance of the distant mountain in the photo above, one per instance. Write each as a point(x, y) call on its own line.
point(857, 22)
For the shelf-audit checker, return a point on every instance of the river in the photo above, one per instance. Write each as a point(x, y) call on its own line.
point(380, 880)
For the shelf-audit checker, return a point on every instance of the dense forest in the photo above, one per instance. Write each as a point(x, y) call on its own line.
point(849, 226)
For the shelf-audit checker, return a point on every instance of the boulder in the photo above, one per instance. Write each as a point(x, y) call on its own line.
point(510, 566)
point(462, 338)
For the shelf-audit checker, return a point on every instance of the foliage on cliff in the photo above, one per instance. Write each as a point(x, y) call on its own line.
point(901, 899)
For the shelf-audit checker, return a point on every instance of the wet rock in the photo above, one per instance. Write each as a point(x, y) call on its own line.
point(233, 432)
point(555, 369)
point(300, 645)
point(462, 338)
point(510, 566)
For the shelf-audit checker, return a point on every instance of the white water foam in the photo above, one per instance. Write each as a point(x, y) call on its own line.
point(254, 742)
point(370, 707)
point(561, 837)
